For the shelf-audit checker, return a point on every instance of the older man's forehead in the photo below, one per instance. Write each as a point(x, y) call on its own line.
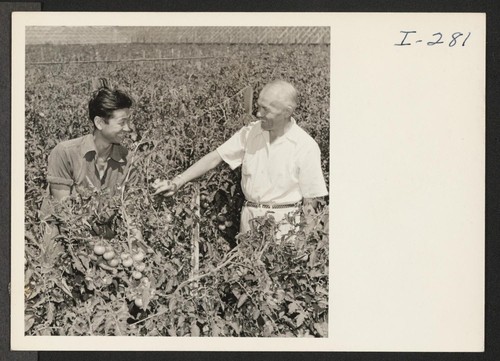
point(270, 92)
point(267, 99)
point(273, 97)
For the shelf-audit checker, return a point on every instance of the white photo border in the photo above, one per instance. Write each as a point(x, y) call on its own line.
point(427, 298)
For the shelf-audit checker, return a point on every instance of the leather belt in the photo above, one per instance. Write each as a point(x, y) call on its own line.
point(272, 206)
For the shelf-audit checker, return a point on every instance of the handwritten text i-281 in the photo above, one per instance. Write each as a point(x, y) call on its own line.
point(410, 37)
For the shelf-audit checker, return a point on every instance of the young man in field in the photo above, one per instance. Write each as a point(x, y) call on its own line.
point(281, 163)
point(96, 161)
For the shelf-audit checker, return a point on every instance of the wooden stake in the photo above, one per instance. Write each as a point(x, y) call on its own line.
point(195, 241)
point(248, 99)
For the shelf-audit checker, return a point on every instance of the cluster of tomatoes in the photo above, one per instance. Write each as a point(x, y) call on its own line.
point(126, 259)
point(133, 262)
point(137, 292)
point(221, 219)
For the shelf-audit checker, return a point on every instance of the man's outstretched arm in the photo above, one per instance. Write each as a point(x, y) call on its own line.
point(208, 162)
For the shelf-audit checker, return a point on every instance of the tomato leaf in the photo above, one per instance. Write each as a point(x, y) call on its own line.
point(300, 319)
point(29, 320)
point(242, 300)
point(195, 330)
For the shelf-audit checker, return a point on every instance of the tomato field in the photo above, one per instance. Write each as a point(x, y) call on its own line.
point(189, 272)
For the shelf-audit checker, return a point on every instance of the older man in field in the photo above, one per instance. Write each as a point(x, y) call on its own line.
point(281, 163)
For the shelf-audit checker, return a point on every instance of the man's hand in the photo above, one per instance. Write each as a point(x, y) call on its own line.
point(167, 187)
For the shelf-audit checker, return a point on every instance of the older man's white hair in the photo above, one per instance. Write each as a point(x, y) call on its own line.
point(284, 92)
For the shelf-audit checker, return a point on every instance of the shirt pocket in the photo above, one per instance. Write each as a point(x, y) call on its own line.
point(249, 180)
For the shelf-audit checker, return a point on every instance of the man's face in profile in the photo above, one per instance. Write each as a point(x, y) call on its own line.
point(271, 110)
point(117, 126)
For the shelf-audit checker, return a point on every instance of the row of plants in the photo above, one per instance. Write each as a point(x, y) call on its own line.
point(148, 283)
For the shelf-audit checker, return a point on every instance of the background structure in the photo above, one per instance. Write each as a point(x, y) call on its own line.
point(188, 34)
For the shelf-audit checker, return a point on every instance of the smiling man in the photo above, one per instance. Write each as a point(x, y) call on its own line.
point(281, 163)
point(97, 160)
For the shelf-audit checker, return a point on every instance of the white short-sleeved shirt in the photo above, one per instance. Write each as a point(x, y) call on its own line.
point(285, 171)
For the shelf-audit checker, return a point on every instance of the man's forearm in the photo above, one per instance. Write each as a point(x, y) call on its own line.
point(208, 162)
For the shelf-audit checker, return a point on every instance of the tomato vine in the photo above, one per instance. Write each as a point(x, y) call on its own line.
point(144, 284)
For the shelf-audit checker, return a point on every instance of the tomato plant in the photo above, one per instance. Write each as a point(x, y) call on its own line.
point(149, 283)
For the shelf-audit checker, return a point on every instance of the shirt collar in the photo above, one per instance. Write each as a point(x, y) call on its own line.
point(118, 152)
point(292, 133)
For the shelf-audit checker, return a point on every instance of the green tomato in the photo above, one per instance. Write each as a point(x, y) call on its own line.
point(128, 262)
point(99, 250)
point(140, 266)
point(114, 262)
point(138, 257)
point(108, 255)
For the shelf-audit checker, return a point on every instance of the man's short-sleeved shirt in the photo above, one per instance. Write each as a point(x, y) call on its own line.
point(285, 171)
point(73, 163)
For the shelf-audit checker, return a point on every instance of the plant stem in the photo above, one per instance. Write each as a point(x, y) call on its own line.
point(192, 279)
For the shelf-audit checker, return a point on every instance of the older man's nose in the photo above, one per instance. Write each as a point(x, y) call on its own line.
point(126, 128)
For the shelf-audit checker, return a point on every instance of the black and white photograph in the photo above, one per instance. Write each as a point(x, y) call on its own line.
point(176, 181)
point(277, 183)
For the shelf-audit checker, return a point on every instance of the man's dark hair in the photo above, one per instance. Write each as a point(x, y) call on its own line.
point(106, 100)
